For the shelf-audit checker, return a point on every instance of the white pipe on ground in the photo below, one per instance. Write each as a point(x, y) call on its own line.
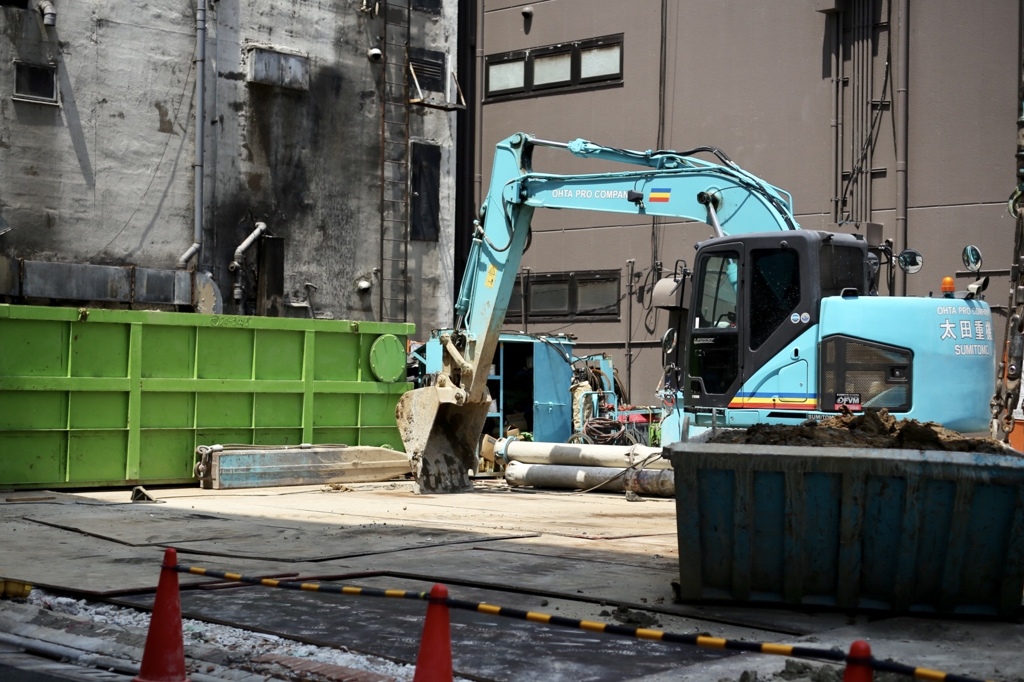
point(609, 479)
point(580, 454)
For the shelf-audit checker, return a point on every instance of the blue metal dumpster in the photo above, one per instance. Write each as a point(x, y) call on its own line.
point(894, 530)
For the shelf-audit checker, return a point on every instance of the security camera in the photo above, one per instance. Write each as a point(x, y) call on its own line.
point(374, 54)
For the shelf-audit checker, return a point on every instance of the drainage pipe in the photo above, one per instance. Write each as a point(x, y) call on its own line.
point(631, 266)
point(580, 454)
point(197, 166)
point(49, 13)
point(834, 123)
point(236, 264)
point(902, 124)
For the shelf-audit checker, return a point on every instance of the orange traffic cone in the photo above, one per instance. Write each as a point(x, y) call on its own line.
point(857, 668)
point(163, 659)
point(434, 661)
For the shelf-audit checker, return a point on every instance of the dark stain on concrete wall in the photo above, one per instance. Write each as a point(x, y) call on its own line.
point(309, 169)
point(166, 125)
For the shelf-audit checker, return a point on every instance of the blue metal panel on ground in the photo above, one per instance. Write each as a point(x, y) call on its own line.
point(896, 530)
point(549, 380)
point(552, 379)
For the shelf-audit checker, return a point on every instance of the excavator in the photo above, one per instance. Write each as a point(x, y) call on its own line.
point(773, 324)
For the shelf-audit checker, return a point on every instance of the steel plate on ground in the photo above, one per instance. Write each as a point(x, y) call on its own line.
point(484, 647)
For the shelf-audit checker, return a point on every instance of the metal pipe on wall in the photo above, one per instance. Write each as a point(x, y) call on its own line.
point(236, 264)
point(902, 126)
point(200, 122)
point(834, 122)
point(840, 109)
point(630, 267)
point(869, 111)
point(857, 106)
point(49, 13)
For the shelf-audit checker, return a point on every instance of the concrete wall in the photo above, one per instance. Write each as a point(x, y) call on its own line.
point(756, 80)
point(107, 177)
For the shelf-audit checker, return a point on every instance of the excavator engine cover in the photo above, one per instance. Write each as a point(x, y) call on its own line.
point(440, 437)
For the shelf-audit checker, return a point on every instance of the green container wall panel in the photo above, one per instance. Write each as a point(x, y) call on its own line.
point(116, 397)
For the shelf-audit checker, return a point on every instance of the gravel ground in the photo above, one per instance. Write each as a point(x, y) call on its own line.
point(243, 645)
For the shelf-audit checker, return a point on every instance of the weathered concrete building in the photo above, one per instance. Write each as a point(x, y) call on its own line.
point(889, 116)
point(130, 131)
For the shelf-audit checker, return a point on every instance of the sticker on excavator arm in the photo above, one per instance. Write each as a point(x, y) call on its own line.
point(492, 274)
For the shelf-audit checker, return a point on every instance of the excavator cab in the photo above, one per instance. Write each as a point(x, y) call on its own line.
point(752, 298)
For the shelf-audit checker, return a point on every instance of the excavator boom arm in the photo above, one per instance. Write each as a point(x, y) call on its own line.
point(440, 424)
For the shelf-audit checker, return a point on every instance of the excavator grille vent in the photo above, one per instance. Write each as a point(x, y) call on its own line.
point(861, 374)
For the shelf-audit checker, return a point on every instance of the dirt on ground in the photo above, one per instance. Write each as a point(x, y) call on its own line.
point(801, 671)
point(871, 429)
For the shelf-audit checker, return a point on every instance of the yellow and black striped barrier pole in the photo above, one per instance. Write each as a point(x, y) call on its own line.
point(792, 651)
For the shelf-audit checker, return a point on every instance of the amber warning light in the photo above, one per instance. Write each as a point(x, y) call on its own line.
point(948, 285)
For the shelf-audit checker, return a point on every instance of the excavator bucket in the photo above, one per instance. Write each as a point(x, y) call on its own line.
point(440, 437)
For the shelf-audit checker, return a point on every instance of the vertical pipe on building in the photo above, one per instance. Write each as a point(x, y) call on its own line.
point(834, 123)
point(200, 123)
point(863, 55)
point(902, 125)
point(851, 181)
point(630, 268)
point(851, 204)
point(466, 163)
point(862, 10)
point(869, 109)
point(841, 120)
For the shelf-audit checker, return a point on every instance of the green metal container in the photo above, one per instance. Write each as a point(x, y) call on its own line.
point(92, 397)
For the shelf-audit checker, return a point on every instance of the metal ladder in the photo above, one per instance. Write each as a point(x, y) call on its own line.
point(394, 219)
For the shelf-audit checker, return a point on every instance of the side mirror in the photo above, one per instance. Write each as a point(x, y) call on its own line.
point(668, 345)
point(971, 258)
point(910, 261)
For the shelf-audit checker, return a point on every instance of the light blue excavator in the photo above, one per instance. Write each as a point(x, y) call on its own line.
point(773, 324)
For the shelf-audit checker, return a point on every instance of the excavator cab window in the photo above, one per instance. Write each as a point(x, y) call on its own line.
point(714, 345)
point(717, 299)
point(774, 291)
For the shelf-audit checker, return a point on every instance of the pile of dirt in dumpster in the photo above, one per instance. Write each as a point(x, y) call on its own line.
point(871, 429)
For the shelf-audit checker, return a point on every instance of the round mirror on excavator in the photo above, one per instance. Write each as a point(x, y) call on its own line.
point(910, 261)
point(972, 258)
point(668, 345)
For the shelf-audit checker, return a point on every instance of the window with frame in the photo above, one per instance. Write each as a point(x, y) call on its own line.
point(579, 65)
point(774, 291)
point(35, 82)
point(585, 296)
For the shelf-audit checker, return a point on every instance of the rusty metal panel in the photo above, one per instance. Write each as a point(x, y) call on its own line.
point(10, 283)
point(253, 467)
point(76, 281)
point(270, 67)
point(163, 286)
